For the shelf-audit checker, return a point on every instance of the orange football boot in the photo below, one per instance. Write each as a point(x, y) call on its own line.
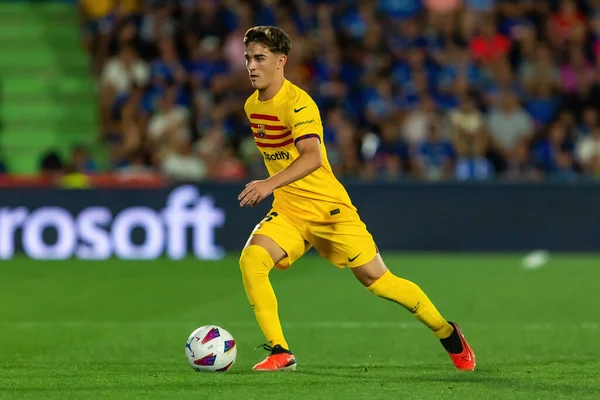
point(460, 352)
point(279, 360)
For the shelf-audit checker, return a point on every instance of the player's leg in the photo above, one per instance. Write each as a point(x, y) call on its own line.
point(273, 240)
point(355, 248)
point(379, 280)
point(258, 257)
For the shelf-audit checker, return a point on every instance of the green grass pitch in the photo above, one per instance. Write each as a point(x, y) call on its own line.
point(117, 329)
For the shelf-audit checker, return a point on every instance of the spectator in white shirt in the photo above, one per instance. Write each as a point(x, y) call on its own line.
point(123, 71)
point(588, 148)
point(170, 119)
point(509, 124)
point(180, 163)
point(119, 75)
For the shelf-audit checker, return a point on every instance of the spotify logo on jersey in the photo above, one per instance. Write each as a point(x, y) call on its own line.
point(95, 233)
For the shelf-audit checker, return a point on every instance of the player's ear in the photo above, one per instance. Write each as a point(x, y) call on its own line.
point(281, 61)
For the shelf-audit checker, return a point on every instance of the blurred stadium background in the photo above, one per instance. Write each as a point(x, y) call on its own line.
point(458, 126)
point(414, 89)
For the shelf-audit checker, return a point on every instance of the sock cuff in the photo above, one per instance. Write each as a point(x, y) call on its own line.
point(387, 276)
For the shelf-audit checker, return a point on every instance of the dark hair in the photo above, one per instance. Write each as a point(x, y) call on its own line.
point(274, 38)
point(51, 161)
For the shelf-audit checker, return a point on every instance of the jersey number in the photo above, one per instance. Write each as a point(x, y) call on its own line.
point(270, 216)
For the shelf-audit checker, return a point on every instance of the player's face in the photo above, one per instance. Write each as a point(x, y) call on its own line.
point(261, 64)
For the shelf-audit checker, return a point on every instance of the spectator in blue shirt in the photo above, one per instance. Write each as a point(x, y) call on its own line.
point(554, 154)
point(434, 157)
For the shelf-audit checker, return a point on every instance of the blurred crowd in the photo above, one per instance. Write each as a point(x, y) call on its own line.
point(408, 89)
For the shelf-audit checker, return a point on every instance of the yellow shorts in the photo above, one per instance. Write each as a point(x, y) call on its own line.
point(343, 240)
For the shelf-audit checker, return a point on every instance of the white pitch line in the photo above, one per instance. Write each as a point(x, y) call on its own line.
point(341, 325)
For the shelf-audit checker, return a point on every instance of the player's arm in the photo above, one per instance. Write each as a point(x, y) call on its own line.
point(310, 160)
point(304, 120)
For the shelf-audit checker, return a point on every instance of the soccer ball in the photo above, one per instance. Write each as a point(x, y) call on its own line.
point(211, 348)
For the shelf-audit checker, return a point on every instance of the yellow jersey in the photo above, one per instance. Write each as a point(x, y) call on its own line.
point(130, 6)
point(97, 9)
point(277, 125)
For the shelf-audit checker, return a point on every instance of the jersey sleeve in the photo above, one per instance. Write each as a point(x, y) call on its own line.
point(304, 119)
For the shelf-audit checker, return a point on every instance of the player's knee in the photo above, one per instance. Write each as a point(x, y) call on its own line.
point(371, 272)
point(255, 260)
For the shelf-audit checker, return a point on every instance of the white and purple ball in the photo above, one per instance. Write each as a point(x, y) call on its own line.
point(211, 348)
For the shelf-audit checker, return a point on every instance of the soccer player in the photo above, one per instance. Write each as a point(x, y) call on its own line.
point(311, 207)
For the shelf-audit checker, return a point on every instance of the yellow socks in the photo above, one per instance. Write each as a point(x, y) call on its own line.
point(411, 297)
point(255, 264)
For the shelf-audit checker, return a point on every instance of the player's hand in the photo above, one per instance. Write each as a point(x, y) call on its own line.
point(255, 192)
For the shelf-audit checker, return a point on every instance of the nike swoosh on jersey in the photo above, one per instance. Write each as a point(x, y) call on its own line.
point(299, 109)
